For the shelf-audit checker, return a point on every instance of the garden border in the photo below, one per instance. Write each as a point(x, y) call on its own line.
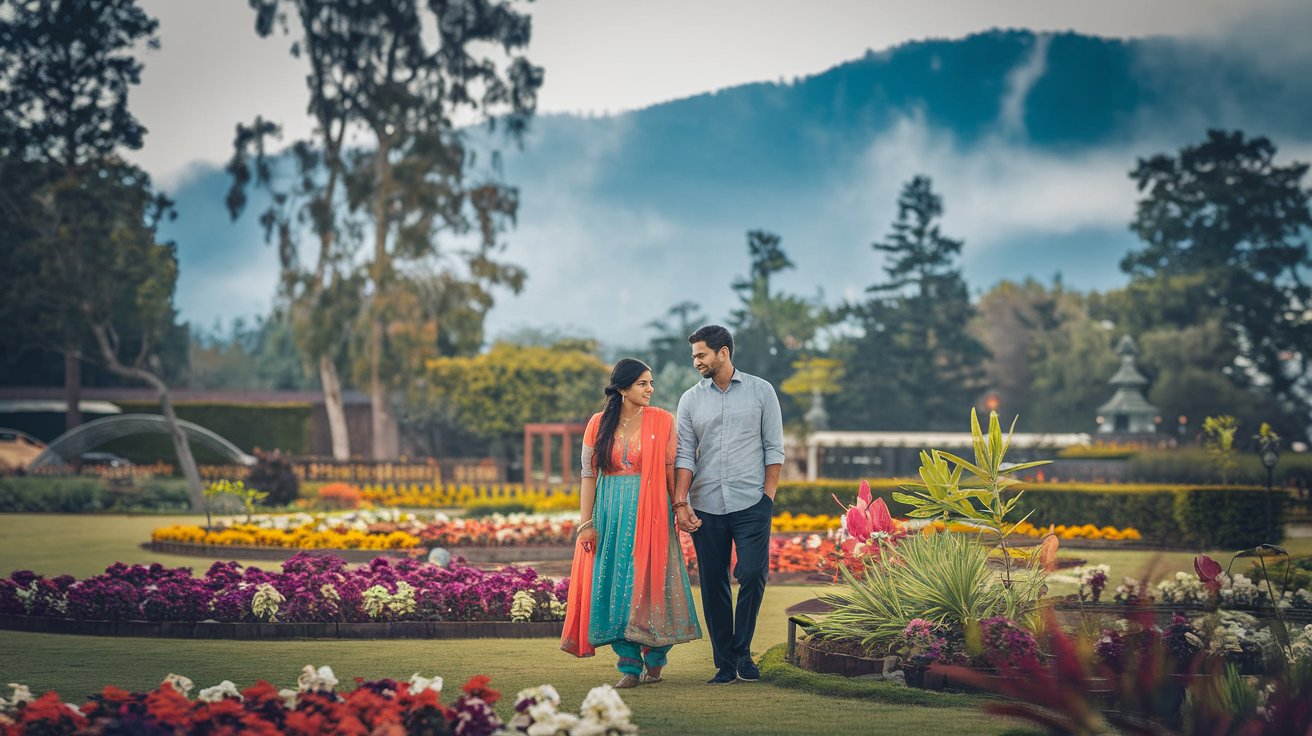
point(216, 630)
point(505, 555)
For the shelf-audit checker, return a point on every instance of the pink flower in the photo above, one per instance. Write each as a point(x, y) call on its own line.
point(867, 522)
point(1209, 571)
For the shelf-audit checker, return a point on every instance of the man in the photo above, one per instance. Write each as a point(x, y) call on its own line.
point(731, 448)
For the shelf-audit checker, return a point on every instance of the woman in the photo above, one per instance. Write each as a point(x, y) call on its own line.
point(629, 586)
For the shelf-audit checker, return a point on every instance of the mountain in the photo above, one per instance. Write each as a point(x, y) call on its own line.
point(1028, 137)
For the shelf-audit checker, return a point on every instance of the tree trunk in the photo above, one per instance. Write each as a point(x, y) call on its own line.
point(384, 426)
point(333, 404)
point(195, 492)
point(385, 440)
point(72, 389)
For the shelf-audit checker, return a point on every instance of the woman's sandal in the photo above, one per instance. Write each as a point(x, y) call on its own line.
point(626, 682)
point(649, 679)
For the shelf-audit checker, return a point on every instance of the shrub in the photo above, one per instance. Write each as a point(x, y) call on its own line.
point(480, 509)
point(273, 474)
point(1192, 466)
point(52, 494)
point(1210, 517)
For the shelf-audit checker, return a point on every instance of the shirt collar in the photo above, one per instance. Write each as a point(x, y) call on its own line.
point(737, 377)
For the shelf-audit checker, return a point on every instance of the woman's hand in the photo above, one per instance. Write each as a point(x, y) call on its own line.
point(588, 538)
point(686, 519)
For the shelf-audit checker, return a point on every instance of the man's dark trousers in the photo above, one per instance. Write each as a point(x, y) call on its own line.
point(749, 530)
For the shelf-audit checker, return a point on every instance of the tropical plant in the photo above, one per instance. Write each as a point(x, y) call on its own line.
point(945, 579)
point(979, 500)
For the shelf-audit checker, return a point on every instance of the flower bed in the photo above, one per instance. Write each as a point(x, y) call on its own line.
point(387, 530)
point(310, 589)
point(314, 707)
point(451, 495)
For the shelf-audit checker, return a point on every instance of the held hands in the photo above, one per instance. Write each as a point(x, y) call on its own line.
point(687, 519)
point(588, 538)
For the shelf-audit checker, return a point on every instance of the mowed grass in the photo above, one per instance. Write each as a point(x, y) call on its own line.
point(78, 665)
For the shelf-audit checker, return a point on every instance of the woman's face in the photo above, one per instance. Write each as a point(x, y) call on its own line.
point(640, 392)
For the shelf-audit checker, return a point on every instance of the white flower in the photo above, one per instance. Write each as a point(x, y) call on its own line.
point(225, 689)
point(22, 694)
point(554, 724)
point(522, 607)
point(321, 680)
point(182, 684)
point(265, 602)
point(419, 684)
point(288, 696)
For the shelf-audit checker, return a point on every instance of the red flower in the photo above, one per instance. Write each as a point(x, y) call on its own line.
point(477, 688)
point(48, 714)
point(169, 707)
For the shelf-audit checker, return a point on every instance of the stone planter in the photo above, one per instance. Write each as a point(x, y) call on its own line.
point(258, 631)
point(814, 659)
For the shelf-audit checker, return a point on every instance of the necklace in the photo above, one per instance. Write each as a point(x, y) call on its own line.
point(624, 423)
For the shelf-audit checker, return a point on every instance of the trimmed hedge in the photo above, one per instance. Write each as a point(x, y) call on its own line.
point(1209, 517)
point(60, 495)
point(80, 495)
point(285, 427)
point(1194, 466)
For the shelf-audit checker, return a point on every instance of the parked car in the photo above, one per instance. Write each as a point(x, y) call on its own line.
point(18, 450)
point(103, 460)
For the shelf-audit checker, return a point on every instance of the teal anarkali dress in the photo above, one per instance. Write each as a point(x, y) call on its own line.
point(640, 597)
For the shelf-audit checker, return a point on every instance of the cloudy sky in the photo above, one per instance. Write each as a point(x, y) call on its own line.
point(607, 56)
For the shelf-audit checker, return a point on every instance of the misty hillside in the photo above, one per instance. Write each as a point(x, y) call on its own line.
point(1028, 138)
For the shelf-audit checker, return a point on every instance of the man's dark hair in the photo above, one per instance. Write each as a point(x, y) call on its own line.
point(715, 337)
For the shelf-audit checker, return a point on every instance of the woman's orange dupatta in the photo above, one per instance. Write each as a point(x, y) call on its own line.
point(657, 565)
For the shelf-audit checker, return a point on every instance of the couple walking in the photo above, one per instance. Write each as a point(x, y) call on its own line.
point(712, 472)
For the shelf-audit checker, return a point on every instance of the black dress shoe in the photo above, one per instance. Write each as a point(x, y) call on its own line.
point(724, 676)
point(747, 671)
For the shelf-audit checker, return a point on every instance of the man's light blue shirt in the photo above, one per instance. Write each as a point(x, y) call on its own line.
point(726, 438)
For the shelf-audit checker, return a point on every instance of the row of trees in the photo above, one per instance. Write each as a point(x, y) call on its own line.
point(402, 226)
point(920, 345)
point(1217, 300)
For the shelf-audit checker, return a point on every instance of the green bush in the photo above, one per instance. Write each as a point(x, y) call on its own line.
point(1207, 517)
point(156, 494)
point(71, 495)
point(488, 507)
point(1299, 570)
point(1194, 466)
point(817, 497)
point(80, 495)
point(1216, 518)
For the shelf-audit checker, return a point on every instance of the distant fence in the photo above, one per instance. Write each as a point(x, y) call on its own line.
point(314, 470)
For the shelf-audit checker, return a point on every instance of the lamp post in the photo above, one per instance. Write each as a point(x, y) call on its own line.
point(1269, 449)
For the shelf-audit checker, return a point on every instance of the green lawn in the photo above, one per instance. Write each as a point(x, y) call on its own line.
point(684, 704)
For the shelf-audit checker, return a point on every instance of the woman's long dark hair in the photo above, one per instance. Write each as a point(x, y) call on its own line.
point(623, 375)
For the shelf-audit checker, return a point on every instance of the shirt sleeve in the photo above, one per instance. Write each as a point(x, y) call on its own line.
point(686, 438)
point(772, 427)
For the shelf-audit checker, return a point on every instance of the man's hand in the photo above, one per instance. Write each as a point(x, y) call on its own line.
point(588, 538)
point(687, 519)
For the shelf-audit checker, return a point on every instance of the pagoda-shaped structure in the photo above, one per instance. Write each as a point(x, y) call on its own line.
point(1127, 412)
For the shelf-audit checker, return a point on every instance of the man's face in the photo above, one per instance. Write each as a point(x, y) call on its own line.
point(706, 361)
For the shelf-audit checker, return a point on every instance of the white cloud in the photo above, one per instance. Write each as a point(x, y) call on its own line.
point(1019, 83)
point(994, 190)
